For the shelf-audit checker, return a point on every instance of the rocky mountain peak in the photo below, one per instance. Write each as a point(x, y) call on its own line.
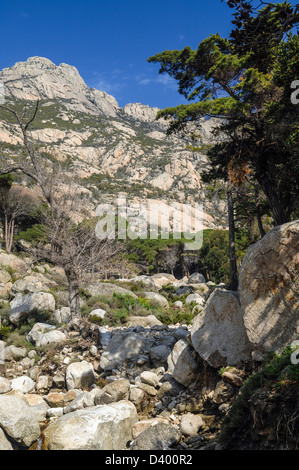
point(111, 149)
point(38, 77)
point(141, 112)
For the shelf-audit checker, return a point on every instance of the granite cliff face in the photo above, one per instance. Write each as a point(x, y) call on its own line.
point(39, 78)
point(111, 149)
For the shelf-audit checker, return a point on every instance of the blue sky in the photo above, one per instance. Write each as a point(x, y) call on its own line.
point(109, 41)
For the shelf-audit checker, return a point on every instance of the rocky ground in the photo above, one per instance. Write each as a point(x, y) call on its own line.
point(128, 370)
point(146, 385)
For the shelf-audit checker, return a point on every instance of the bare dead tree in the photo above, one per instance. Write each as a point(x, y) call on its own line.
point(69, 240)
point(170, 257)
point(68, 237)
point(33, 165)
point(14, 204)
point(188, 258)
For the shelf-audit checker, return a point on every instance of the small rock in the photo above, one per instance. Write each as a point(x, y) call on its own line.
point(26, 363)
point(183, 290)
point(18, 420)
point(83, 400)
point(190, 424)
point(195, 298)
point(80, 375)
point(97, 313)
point(34, 372)
point(223, 392)
point(51, 337)
point(13, 353)
point(160, 299)
point(149, 378)
point(55, 412)
point(22, 306)
point(42, 382)
point(158, 437)
point(93, 350)
point(59, 380)
point(196, 278)
point(5, 385)
point(37, 405)
point(232, 379)
point(55, 399)
point(23, 384)
point(147, 389)
point(114, 392)
point(143, 322)
point(136, 395)
point(37, 330)
point(178, 304)
point(62, 315)
point(159, 354)
point(31, 354)
point(142, 425)
point(142, 360)
point(70, 396)
point(104, 427)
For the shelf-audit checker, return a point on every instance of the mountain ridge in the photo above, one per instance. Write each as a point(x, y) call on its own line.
point(127, 149)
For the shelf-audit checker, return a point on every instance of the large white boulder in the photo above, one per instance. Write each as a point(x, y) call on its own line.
point(23, 305)
point(269, 290)
point(12, 261)
point(32, 283)
point(183, 364)
point(195, 298)
point(52, 337)
point(218, 334)
point(18, 420)
point(13, 353)
point(146, 322)
point(37, 330)
point(114, 392)
point(80, 375)
point(23, 384)
point(123, 346)
point(196, 278)
point(102, 427)
point(158, 298)
point(62, 315)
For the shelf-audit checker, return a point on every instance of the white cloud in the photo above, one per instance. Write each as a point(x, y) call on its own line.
point(167, 81)
point(109, 86)
point(145, 81)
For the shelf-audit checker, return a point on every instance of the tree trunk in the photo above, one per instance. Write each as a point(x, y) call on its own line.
point(275, 202)
point(74, 300)
point(232, 244)
point(5, 230)
point(258, 216)
point(272, 193)
point(9, 235)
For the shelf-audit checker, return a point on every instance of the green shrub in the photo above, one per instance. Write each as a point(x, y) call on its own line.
point(125, 301)
point(33, 234)
point(17, 337)
point(4, 332)
point(172, 316)
point(277, 372)
point(96, 320)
